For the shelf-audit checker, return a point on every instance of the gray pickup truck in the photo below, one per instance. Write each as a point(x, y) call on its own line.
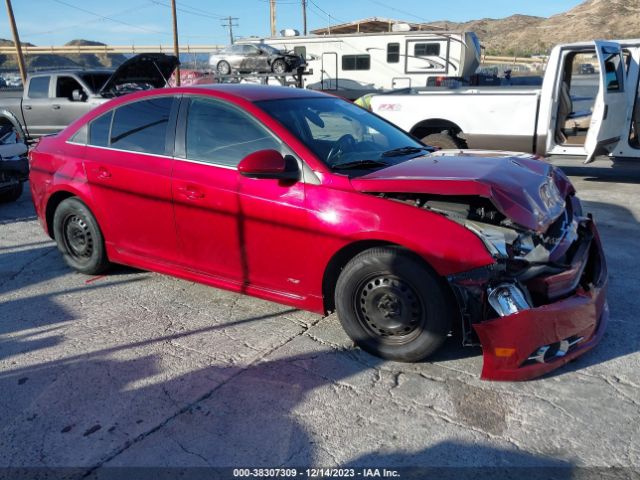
point(52, 100)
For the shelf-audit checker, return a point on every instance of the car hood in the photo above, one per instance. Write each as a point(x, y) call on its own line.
point(528, 191)
point(151, 68)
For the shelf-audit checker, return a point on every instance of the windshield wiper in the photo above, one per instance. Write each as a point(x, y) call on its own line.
point(359, 164)
point(396, 152)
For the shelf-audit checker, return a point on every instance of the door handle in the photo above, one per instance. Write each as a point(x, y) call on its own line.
point(191, 193)
point(103, 173)
point(27, 107)
point(55, 107)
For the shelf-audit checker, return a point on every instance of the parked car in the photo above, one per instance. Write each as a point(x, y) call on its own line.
point(14, 167)
point(53, 99)
point(306, 199)
point(586, 69)
point(257, 58)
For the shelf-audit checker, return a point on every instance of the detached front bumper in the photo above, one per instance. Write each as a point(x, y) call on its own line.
point(532, 342)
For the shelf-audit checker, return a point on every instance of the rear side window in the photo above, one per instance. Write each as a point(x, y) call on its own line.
point(99, 130)
point(142, 126)
point(39, 87)
point(220, 134)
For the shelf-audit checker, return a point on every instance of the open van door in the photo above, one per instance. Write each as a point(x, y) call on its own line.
point(610, 108)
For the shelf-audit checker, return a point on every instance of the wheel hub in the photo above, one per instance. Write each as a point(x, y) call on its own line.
point(78, 237)
point(389, 307)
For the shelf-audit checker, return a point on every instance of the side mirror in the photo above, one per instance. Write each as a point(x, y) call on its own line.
point(77, 96)
point(269, 164)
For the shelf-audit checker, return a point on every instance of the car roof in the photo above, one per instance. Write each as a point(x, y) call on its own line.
point(255, 93)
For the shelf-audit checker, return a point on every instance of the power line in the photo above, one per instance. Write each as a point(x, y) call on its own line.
point(399, 11)
point(230, 25)
point(111, 19)
point(190, 10)
point(55, 30)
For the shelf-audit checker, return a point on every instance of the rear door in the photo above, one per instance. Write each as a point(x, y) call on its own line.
point(39, 115)
point(610, 108)
point(128, 162)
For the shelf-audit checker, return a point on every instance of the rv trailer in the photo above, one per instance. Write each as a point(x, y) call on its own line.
point(351, 65)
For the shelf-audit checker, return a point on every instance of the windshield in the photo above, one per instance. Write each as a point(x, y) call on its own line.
point(343, 135)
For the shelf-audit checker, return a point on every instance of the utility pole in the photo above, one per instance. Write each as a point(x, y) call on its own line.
point(176, 49)
point(230, 25)
point(272, 10)
point(16, 41)
point(304, 16)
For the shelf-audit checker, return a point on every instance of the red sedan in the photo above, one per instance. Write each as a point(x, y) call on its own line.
point(308, 200)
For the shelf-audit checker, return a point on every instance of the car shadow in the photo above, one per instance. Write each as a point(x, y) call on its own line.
point(105, 412)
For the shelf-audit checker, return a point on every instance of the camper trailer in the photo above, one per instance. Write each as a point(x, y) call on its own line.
point(358, 63)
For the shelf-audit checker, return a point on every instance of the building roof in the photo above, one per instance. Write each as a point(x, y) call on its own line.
point(371, 25)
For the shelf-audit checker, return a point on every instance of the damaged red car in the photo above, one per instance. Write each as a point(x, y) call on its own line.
point(307, 200)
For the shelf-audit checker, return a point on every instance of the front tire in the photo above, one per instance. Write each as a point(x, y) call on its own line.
point(279, 67)
point(393, 305)
point(79, 237)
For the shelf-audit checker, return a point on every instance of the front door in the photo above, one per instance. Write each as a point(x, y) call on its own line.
point(329, 78)
point(65, 108)
point(241, 230)
point(610, 108)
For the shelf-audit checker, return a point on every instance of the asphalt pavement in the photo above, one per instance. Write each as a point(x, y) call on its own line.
point(141, 369)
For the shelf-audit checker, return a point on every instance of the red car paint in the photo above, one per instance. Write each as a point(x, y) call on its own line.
point(276, 240)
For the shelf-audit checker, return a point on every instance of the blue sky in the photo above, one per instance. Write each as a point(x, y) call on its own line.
point(144, 22)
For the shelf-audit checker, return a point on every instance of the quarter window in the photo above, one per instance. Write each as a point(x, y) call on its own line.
point(427, 50)
point(39, 87)
point(99, 130)
point(220, 134)
point(356, 62)
point(393, 52)
point(142, 126)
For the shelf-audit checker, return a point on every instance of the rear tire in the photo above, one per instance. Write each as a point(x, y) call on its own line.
point(444, 141)
point(223, 68)
point(12, 194)
point(393, 305)
point(79, 237)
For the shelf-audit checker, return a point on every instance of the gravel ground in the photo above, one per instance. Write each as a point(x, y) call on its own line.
point(140, 369)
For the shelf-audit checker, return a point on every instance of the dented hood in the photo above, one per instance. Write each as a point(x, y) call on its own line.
point(528, 191)
point(146, 68)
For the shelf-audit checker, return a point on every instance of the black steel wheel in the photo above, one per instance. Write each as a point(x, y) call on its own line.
point(223, 68)
point(79, 238)
point(393, 305)
point(279, 67)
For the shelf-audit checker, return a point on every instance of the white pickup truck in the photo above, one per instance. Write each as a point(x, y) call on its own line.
point(543, 120)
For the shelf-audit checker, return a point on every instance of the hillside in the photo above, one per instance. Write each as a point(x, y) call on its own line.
point(89, 60)
point(522, 34)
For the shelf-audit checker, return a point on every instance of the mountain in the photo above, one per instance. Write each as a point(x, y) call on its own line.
point(42, 61)
point(522, 34)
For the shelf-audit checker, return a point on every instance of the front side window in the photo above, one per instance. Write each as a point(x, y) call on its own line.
point(141, 126)
point(65, 87)
point(220, 134)
point(613, 73)
point(39, 87)
point(427, 50)
point(356, 62)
